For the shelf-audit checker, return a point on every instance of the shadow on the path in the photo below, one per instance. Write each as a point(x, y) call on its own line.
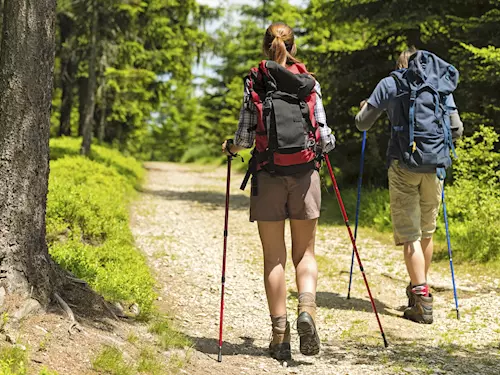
point(336, 301)
point(422, 357)
point(210, 346)
point(211, 199)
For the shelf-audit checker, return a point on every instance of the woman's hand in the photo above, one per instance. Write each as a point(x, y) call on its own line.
point(224, 148)
point(229, 148)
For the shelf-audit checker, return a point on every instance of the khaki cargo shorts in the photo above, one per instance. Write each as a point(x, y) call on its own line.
point(415, 199)
point(286, 197)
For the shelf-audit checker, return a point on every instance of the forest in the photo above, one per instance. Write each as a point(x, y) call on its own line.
point(103, 104)
point(163, 80)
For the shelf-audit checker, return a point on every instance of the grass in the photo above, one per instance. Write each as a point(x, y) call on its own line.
point(373, 225)
point(14, 361)
point(149, 363)
point(168, 337)
point(110, 361)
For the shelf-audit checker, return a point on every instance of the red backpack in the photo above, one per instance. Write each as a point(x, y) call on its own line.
point(287, 137)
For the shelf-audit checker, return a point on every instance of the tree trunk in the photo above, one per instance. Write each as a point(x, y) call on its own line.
point(26, 71)
point(68, 72)
point(82, 102)
point(102, 120)
point(88, 118)
point(1, 19)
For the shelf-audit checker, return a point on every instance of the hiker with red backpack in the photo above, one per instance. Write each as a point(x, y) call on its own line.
point(418, 99)
point(284, 116)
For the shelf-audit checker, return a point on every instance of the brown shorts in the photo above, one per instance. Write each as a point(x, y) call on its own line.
point(415, 199)
point(295, 197)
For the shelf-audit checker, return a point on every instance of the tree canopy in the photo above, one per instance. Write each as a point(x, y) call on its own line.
point(149, 102)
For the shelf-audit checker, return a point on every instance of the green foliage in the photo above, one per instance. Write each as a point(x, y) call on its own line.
point(87, 222)
point(110, 361)
point(374, 212)
point(13, 361)
point(145, 53)
point(149, 363)
point(45, 371)
point(168, 337)
point(473, 201)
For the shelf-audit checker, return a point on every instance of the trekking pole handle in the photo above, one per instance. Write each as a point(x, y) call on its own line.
point(229, 143)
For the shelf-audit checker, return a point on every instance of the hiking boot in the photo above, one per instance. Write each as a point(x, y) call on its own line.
point(309, 339)
point(279, 348)
point(421, 311)
point(410, 295)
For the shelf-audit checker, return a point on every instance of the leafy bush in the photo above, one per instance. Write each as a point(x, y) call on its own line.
point(87, 222)
point(374, 212)
point(473, 201)
point(13, 361)
point(126, 166)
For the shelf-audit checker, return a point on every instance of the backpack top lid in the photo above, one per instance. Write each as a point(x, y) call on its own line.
point(294, 80)
point(426, 68)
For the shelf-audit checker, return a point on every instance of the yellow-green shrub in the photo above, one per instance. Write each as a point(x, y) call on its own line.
point(87, 222)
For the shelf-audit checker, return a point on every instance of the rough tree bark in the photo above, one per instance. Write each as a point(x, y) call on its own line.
point(26, 71)
point(101, 131)
point(82, 102)
point(88, 119)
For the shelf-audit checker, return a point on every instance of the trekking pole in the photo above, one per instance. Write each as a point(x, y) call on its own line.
point(226, 220)
point(346, 220)
point(450, 253)
point(360, 181)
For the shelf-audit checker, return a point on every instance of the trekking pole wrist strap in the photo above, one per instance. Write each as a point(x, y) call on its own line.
point(229, 143)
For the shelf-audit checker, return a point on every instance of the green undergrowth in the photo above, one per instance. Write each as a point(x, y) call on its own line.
point(473, 203)
point(151, 359)
point(14, 361)
point(88, 221)
point(168, 337)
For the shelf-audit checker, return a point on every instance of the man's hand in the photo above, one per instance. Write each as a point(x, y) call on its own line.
point(363, 103)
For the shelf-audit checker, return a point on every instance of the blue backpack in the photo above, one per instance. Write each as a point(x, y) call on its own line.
point(423, 132)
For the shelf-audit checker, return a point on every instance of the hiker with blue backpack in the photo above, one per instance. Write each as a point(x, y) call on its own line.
point(283, 116)
point(418, 99)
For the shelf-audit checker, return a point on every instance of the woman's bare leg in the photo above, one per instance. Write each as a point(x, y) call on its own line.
point(272, 236)
point(303, 237)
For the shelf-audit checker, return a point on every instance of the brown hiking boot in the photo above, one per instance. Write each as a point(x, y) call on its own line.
point(421, 311)
point(309, 339)
point(410, 295)
point(279, 348)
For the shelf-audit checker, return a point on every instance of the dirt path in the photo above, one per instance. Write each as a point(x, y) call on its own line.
point(178, 222)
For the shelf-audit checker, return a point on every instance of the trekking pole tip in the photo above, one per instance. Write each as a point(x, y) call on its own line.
point(458, 315)
point(348, 296)
point(219, 359)
point(386, 344)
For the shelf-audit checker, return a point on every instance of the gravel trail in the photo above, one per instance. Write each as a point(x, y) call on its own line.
point(178, 223)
